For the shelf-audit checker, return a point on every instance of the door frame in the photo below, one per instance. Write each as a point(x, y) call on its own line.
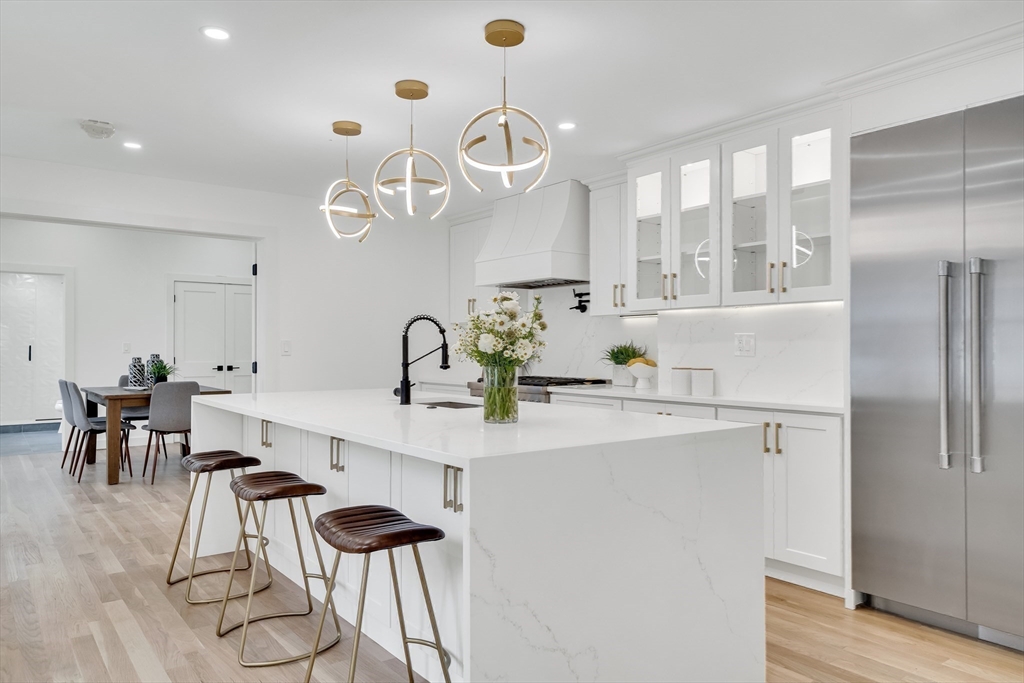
point(172, 278)
point(69, 305)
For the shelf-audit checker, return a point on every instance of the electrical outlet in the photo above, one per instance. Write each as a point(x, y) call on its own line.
point(744, 344)
point(126, 347)
point(286, 348)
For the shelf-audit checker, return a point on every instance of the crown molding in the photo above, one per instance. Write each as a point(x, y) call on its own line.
point(470, 216)
point(967, 51)
point(605, 180)
point(738, 125)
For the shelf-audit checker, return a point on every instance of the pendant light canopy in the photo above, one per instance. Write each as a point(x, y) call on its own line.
point(343, 187)
point(505, 33)
point(409, 180)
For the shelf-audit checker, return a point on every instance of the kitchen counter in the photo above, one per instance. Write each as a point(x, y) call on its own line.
point(579, 544)
point(609, 391)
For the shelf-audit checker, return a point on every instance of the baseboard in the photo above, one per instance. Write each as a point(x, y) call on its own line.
point(47, 426)
point(808, 578)
point(947, 623)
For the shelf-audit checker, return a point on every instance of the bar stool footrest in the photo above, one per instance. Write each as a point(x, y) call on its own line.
point(432, 646)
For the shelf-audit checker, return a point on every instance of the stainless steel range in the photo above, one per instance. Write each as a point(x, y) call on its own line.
point(534, 388)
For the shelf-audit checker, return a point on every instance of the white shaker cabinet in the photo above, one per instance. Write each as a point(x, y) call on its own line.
point(648, 250)
point(695, 233)
point(803, 456)
point(464, 297)
point(607, 247)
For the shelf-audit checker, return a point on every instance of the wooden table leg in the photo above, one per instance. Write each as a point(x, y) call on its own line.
point(91, 410)
point(113, 437)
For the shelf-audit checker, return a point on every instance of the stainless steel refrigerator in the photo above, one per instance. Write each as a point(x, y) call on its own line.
point(937, 366)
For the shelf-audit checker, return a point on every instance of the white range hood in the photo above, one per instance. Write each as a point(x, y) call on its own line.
point(538, 239)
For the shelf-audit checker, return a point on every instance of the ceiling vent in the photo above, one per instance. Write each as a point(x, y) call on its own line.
point(98, 130)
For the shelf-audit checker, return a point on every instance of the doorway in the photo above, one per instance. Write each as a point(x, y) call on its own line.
point(213, 334)
point(32, 346)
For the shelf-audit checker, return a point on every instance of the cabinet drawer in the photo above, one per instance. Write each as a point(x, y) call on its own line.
point(676, 409)
point(588, 402)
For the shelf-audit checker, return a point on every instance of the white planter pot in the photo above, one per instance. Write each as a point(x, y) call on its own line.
point(622, 377)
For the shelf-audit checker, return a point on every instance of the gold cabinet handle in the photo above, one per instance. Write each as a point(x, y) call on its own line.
point(337, 456)
point(265, 434)
point(674, 286)
point(455, 502)
point(457, 496)
point(664, 284)
point(764, 436)
point(778, 448)
point(469, 307)
point(782, 276)
point(448, 502)
point(668, 413)
point(771, 271)
point(660, 413)
point(622, 295)
point(615, 296)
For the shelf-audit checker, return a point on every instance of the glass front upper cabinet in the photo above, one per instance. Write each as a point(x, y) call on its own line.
point(696, 201)
point(647, 237)
point(808, 230)
point(750, 219)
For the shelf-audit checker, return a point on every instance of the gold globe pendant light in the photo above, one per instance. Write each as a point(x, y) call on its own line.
point(406, 183)
point(505, 33)
point(345, 186)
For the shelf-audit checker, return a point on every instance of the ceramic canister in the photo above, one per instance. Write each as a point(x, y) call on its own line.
point(681, 381)
point(136, 373)
point(703, 382)
point(153, 357)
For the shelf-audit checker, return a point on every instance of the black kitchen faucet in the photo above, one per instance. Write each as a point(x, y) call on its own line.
point(404, 390)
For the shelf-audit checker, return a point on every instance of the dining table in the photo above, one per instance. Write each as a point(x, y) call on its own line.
point(115, 398)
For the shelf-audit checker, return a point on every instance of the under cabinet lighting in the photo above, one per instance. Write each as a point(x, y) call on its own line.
point(133, 145)
point(216, 33)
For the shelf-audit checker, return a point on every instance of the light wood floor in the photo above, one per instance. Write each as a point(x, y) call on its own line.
point(83, 598)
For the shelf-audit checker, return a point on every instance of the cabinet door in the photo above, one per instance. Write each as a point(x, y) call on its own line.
point(607, 236)
point(463, 248)
point(288, 457)
point(696, 228)
point(324, 467)
point(813, 167)
point(648, 249)
point(750, 219)
point(369, 479)
point(685, 410)
point(808, 492)
point(259, 442)
point(765, 419)
point(423, 497)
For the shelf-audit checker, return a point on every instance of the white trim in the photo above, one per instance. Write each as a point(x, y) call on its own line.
point(599, 182)
point(808, 578)
point(62, 220)
point(470, 216)
point(967, 51)
point(69, 306)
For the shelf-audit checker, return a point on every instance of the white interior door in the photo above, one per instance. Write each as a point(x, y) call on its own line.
point(31, 345)
point(238, 338)
point(199, 332)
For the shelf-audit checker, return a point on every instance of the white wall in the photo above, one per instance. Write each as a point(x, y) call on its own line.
point(341, 304)
point(799, 350)
point(121, 284)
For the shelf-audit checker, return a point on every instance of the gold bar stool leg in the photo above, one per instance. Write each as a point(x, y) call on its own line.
point(248, 618)
point(401, 614)
point(192, 573)
point(323, 614)
point(359, 618)
point(441, 654)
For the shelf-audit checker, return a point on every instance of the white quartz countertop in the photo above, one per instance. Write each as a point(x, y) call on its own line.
point(374, 417)
point(608, 391)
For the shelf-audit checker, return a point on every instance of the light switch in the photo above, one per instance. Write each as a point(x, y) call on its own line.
point(126, 347)
point(286, 348)
point(744, 344)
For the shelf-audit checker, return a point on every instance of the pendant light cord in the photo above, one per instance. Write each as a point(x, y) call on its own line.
point(348, 178)
point(411, 102)
point(504, 75)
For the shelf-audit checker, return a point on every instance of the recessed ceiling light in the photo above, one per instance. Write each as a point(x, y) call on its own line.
point(133, 145)
point(568, 125)
point(216, 33)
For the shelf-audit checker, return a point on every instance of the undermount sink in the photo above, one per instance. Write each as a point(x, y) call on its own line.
point(449, 404)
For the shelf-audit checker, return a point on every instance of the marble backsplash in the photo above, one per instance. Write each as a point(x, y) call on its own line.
point(798, 355)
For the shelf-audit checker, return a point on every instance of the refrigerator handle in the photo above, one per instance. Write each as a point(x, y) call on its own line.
point(944, 276)
point(976, 268)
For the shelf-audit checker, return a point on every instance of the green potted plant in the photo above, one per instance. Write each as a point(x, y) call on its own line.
point(161, 371)
point(618, 356)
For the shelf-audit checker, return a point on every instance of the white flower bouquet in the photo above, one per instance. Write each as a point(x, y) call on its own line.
point(500, 341)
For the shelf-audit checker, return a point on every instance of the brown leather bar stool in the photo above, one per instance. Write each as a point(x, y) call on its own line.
point(207, 463)
point(265, 487)
point(365, 529)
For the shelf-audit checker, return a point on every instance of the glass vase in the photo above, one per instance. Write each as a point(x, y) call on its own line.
point(501, 395)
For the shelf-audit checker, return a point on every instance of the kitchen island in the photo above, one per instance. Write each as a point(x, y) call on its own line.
point(580, 544)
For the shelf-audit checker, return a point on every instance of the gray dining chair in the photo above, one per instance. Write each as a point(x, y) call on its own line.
point(89, 428)
point(170, 412)
point(69, 417)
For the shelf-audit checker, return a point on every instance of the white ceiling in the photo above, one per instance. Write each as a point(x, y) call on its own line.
point(255, 111)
